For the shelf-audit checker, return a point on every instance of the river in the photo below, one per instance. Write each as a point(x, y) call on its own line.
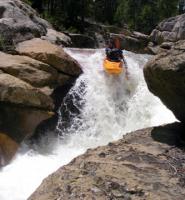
point(98, 109)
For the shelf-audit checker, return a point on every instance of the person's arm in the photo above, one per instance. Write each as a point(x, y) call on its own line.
point(107, 51)
point(126, 67)
point(124, 61)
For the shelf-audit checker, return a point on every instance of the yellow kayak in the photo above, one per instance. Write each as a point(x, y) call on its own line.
point(113, 67)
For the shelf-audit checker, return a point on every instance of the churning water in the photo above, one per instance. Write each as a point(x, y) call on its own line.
point(99, 108)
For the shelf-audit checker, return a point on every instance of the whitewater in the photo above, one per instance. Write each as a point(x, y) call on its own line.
point(98, 109)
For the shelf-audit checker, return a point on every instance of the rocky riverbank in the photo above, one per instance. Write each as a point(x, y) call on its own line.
point(166, 33)
point(30, 78)
point(146, 164)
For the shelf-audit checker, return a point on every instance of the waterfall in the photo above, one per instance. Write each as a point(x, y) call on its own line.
point(98, 109)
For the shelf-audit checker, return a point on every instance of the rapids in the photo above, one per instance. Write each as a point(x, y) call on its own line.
point(98, 109)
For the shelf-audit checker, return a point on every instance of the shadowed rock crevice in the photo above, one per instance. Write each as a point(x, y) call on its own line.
point(17, 123)
point(171, 134)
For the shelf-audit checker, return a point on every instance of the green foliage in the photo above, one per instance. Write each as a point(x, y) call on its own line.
point(104, 10)
point(27, 1)
point(167, 8)
point(143, 15)
point(140, 15)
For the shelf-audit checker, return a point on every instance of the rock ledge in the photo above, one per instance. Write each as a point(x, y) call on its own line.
point(146, 164)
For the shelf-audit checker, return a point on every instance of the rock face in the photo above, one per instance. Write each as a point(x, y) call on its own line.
point(19, 22)
point(28, 92)
point(15, 91)
point(51, 54)
point(169, 30)
point(8, 147)
point(82, 41)
point(97, 35)
point(135, 42)
point(58, 38)
point(165, 77)
point(145, 164)
point(16, 124)
point(36, 73)
point(29, 88)
point(29, 82)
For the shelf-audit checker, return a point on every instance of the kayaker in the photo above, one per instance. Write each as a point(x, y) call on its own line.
point(115, 54)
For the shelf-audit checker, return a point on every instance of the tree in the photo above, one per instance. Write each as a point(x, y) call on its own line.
point(143, 15)
point(167, 8)
point(38, 5)
point(104, 10)
point(140, 15)
point(148, 18)
point(181, 6)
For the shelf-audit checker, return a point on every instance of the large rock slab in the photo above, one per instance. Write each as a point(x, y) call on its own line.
point(51, 54)
point(82, 41)
point(28, 86)
point(135, 42)
point(146, 164)
point(16, 91)
point(29, 94)
point(36, 73)
point(165, 77)
point(169, 30)
point(19, 22)
point(58, 38)
point(22, 108)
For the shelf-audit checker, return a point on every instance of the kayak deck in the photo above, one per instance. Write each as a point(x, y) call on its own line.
point(113, 67)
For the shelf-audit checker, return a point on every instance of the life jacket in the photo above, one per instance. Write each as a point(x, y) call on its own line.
point(114, 54)
point(117, 43)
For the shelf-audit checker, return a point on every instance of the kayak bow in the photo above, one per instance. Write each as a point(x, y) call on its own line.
point(113, 67)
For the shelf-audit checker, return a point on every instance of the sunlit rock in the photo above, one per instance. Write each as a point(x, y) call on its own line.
point(165, 77)
point(145, 164)
point(58, 38)
point(169, 30)
point(19, 22)
point(36, 73)
point(51, 54)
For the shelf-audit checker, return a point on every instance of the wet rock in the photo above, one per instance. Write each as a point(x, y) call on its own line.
point(51, 54)
point(149, 169)
point(16, 124)
point(32, 90)
point(165, 77)
point(8, 147)
point(30, 85)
